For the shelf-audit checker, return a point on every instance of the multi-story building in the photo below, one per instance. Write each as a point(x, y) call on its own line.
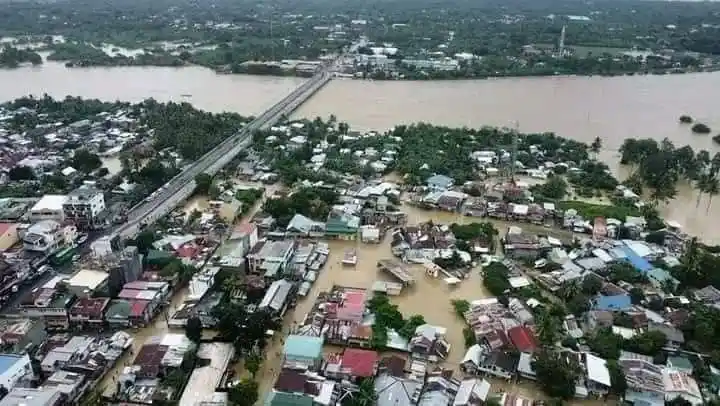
point(84, 207)
point(49, 207)
point(47, 236)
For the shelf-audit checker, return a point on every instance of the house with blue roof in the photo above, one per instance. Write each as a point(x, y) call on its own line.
point(14, 368)
point(612, 303)
point(304, 352)
point(439, 182)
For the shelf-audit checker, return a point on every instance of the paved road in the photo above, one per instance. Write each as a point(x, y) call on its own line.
point(182, 186)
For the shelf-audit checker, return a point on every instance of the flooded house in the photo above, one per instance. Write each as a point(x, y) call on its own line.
point(303, 352)
point(518, 244)
point(429, 343)
point(352, 364)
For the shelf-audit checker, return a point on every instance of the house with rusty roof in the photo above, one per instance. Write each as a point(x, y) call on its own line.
point(88, 312)
point(352, 364)
point(301, 388)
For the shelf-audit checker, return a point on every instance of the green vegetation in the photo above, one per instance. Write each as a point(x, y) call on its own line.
point(661, 166)
point(554, 189)
point(11, 57)
point(248, 198)
point(590, 210)
point(314, 203)
point(193, 329)
point(84, 55)
point(608, 345)
point(685, 119)
point(484, 232)
point(461, 307)
point(700, 128)
point(495, 278)
point(556, 374)
point(387, 316)
point(245, 393)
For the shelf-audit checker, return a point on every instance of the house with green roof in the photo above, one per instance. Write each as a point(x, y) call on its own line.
point(303, 352)
point(342, 226)
point(288, 399)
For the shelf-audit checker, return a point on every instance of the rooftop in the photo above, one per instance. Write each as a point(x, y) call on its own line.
point(50, 202)
point(361, 363)
point(88, 278)
point(303, 346)
point(522, 338)
point(31, 397)
point(89, 307)
point(8, 360)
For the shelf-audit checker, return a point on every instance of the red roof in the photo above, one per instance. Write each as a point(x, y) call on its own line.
point(188, 250)
point(89, 307)
point(149, 358)
point(4, 227)
point(523, 339)
point(362, 363)
point(352, 307)
point(245, 228)
point(137, 307)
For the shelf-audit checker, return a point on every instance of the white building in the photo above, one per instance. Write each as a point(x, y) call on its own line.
point(47, 236)
point(683, 385)
point(84, 206)
point(50, 207)
point(13, 368)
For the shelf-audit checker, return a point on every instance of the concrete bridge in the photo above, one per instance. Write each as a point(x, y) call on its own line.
point(182, 186)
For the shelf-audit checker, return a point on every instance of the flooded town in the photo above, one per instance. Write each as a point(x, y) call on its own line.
point(233, 206)
point(331, 266)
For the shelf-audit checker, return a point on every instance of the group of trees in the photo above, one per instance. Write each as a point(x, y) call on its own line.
point(608, 345)
point(484, 232)
point(659, 166)
point(187, 130)
point(78, 54)
point(495, 278)
point(11, 57)
point(387, 316)
point(314, 203)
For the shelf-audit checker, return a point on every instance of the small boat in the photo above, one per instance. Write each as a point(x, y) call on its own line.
point(82, 239)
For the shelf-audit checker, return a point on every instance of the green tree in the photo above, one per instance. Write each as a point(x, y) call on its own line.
point(365, 396)
point(253, 361)
point(85, 161)
point(617, 378)
point(556, 373)
point(194, 329)
point(606, 343)
point(548, 330)
point(245, 393)
point(203, 182)
point(461, 307)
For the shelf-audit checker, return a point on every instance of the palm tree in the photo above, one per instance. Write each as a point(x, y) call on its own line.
point(701, 186)
point(596, 146)
point(548, 330)
point(569, 290)
point(712, 189)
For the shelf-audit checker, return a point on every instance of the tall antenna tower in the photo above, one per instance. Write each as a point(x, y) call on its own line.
point(561, 45)
point(513, 152)
point(272, 40)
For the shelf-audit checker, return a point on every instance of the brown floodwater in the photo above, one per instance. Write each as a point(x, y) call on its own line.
point(429, 297)
point(581, 108)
